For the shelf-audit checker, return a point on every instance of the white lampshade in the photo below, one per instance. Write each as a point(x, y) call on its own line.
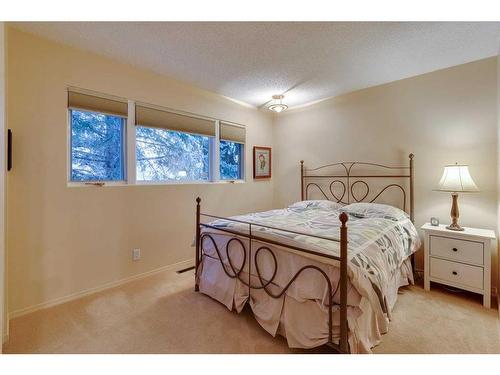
point(456, 178)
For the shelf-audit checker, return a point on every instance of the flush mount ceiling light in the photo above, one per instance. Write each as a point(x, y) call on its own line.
point(277, 106)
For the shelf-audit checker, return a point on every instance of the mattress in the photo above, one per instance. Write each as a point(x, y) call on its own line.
point(378, 265)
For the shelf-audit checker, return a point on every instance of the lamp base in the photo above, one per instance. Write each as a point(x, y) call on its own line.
point(454, 214)
point(454, 226)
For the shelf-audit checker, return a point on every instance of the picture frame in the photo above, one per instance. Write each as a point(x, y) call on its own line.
point(262, 162)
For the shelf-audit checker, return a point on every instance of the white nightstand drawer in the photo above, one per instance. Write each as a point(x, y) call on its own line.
point(459, 250)
point(464, 274)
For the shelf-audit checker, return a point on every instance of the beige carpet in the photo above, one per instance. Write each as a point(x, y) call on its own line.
point(162, 314)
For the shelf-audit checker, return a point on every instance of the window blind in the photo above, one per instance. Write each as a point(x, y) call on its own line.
point(87, 102)
point(156, 118)
point(231, 132)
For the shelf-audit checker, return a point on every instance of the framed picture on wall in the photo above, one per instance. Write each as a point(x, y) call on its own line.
point(261, 162)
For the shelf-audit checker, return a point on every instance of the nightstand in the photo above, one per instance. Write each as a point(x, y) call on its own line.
point(461, 259)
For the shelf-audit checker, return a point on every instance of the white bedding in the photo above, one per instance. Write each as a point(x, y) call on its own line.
point(379, 249)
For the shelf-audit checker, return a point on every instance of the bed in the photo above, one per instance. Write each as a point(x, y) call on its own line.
point(321, 271)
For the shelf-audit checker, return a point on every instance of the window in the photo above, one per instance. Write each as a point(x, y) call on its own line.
point(97, 137)
point(97, 146)
point(172, 146)
point(153, 145)
point(231, 152)
point(231, 156)
point(165, 155)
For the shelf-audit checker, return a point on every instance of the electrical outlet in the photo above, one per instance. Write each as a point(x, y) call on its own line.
point(136, 254)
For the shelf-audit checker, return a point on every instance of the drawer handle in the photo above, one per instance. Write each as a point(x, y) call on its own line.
point(455, 249)
point(455, 273)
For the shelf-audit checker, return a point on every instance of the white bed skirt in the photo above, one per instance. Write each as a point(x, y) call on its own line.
point(300, 314)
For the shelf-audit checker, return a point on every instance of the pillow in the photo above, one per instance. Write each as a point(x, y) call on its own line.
point(324, 204)
point(377, 210)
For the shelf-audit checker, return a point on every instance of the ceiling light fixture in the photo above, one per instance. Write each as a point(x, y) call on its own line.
point(277, 105)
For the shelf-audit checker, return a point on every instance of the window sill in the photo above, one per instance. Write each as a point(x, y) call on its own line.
point(150, 183)
point(73, 184)
point(231, 182)
point(146, 183)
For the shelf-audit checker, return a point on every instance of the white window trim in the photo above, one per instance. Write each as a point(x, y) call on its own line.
point(130, 155)
point(130, 142)
point(215, 162)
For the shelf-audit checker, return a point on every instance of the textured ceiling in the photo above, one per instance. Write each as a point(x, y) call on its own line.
point(307, 61)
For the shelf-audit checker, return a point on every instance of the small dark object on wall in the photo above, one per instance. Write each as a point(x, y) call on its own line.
point(9, 149)
point(435, 221)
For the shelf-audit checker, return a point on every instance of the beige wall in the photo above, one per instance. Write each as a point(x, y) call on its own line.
point(65, 240)
point(442, 117)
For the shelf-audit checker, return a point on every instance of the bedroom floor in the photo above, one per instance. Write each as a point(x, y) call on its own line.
point(162, 314)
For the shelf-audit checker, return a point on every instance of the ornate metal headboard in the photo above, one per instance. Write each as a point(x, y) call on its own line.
point(328, 179)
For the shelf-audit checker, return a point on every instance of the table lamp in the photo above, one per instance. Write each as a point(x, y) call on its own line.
point(456, 179)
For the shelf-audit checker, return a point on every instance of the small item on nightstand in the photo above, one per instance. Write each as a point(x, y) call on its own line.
point(435, 221)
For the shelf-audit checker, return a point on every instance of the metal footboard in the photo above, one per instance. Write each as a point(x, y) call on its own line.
point(235, 271)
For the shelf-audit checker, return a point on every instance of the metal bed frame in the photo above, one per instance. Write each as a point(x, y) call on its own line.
point(347, 180)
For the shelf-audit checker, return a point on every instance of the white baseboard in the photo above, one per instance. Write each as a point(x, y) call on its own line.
point(83, 293)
